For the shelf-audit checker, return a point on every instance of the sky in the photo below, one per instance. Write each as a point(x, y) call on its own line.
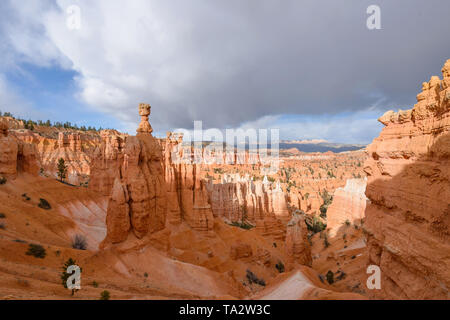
point(310, 68)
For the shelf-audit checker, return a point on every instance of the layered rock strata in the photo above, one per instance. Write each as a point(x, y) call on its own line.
point(408, 219)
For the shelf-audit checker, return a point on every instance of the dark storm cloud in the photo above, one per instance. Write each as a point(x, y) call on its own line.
point(310, 57)
point(230, 62)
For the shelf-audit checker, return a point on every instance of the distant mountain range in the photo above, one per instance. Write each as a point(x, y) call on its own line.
point(319, 146)
point(300, 145)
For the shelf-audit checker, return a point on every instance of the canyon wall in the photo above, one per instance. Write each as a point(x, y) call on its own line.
point(260, 203)
point(106, 161)
point(16, 155)
point(408, 217)
point(74, 147)
point(348, 205)
point(186, 189)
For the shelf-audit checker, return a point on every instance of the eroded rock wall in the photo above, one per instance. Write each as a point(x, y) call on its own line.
point(348, 205)
point(138, 201)
point(16, 155)
point(261, 203)
point(408, 219)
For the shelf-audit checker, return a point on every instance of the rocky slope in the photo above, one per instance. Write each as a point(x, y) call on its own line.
point(408, 219)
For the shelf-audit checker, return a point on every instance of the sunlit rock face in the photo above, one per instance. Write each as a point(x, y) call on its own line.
point(261, 203)
point(349, 205)
point(408, 218)
point(8, 151)
point(106, 161)
point(138, 200)
point(297, 244)
point(16, 155)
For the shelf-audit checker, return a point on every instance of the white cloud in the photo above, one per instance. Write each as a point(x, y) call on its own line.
point(357, 127)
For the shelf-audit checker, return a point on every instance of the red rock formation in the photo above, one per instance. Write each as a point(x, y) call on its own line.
point(8, 151)
point(240, 250)
point(68, 146)
point(144, 125)
point(106, 162)
point(297, 244)
point(186, 189)
point(261, 203)
point(408, 219)
point(194, 202)
point(16, 155)
point(172, 167)
point(150, 185)
point(138, 201)
point(27, 158)
point(349, 204)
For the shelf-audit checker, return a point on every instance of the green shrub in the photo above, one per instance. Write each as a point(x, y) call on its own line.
point(36, 250)
point(2, 216)
point(347, 222)
point(323, 211)
point(252, 278)
point(330, 277)
point(43, 204)
point(314, 224)
point(341, 276)
point(327, 199)
point(280, 267)
point(241, 225)
point(218, 170)
point(95, 284)
point(26, 197)
point(105, 295)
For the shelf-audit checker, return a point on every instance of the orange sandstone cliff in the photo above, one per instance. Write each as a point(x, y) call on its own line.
point(408, 218)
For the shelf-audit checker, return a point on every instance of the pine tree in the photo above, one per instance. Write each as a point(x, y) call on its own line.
point(29, 125)
point(62, 169)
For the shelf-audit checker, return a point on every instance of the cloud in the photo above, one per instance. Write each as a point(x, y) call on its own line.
point(231, 62)
point(351, 127)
